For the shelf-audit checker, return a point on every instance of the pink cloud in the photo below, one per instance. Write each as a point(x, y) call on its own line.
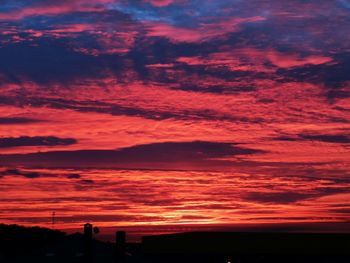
point(72, 28)
point(176, 34)
point(284, 60)
point(250, 59)
point(109, 42)
point(292, 60)
point(49, 10)
point(202, 33)
point(230, 60)
point(165, 66)
point(160, 3)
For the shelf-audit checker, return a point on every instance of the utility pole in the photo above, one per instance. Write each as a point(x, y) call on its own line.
point(53, 219)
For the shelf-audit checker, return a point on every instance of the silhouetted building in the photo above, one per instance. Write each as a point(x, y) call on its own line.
point(120, 242)
point(88, 242)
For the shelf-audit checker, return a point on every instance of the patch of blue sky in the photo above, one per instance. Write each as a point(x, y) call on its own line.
point(7, 6)
point(189, 14)
point(43, 22)
point(344, 3)
point(10, 5)
point(138, 12)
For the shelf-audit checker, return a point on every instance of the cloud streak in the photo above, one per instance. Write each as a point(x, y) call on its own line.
point(17, 120)
point(35, 141)
point(170, 155)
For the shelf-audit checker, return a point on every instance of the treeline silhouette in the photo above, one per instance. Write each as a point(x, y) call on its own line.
point(18, 240)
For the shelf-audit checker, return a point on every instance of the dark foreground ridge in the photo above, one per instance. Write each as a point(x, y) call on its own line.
point(19, 244)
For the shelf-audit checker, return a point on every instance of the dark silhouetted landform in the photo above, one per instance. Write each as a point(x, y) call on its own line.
point(19, 244)
point(248, 247)
point(248, 243)
point(17, 241)
point(40, 245)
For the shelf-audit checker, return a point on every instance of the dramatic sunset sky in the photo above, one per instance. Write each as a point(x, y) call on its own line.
point(175, 113)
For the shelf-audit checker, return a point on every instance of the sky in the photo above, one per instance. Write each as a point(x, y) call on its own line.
point(175, 112)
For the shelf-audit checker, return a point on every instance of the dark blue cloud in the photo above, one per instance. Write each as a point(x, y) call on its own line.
point(332, 138)
point(17, 172)
point(292, 197)
point(171, 155)
point(115, 109)
point(8, 142)
point(17, 120)
point(327, 138)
